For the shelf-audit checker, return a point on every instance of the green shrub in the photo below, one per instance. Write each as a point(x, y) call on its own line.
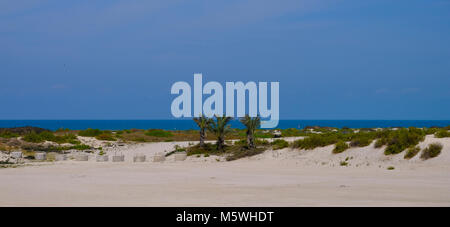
point(361, 141)
point(158, 133)
point(260, 142)
point(90, 132)
point(430, 131)
point(79, 147)
point(390, 168)
point(340, 146)
point(8, 135)
point(380, 142)
point(39, 138)
point(442, 133)
point(411, 152)
point(242, 153)
point(401, 139)
point(433, 150)
point(290, 132)
point(316, 140)
point(343, 163)
point(279, 144)
point(106, 136)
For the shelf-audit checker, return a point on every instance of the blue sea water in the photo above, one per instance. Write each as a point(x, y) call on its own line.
point(189, 124)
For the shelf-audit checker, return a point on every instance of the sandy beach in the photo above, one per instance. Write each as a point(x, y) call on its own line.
point(275, 178)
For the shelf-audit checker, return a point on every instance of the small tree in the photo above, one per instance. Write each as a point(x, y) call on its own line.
point(220, 128)
point(252, 123)
point(202, 123)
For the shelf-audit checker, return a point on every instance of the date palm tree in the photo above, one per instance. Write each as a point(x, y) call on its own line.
point(202, 123)
point(220, 128)
point(252, 123)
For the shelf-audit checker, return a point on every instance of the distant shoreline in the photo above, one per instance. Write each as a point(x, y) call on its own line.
point(188, 124)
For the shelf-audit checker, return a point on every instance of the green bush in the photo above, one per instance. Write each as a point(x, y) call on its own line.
point(106, 136)
point(8, 135)
point(442, 133)
point(401, 139)
point(411, 152)
point(430, 131)
point(340, 146)
point(158, 133)
point(361, 141)
point(433, 150)
point(279, 144)
point(90, 132)
point(380, 142)
point(242, 153)
point(79, 147)
point(316, 140)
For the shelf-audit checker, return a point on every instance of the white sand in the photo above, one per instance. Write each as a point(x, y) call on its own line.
point(274, 178)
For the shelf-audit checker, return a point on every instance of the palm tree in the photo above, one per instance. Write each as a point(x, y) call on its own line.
point(202, 123)
point(252, 123)
point(220, 127)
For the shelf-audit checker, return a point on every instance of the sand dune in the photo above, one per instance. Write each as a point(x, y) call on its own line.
point(275, 178)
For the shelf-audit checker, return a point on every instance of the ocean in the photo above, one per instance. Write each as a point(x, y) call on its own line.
point(190, 124)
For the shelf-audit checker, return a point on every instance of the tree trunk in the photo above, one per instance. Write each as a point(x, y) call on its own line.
point(250, 140)
point(202, 137)
point(220, 142)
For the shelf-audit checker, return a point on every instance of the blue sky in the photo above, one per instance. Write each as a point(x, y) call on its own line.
point(371, 59)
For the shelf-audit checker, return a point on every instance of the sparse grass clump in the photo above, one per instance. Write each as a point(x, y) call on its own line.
point(411, 152)
point(433, 150)
point(340, 146)
point(279, 144)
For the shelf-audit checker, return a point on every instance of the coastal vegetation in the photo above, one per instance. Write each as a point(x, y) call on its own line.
point(411, 152)
point(433, 150)
point(233, 143)
point(340, 147)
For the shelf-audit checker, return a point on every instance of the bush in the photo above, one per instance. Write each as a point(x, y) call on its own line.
point(340, 146)
point(433, 150)
point(8, 135)
point(442, 133)
point(90, 132)
point(33, 138)
point(361, 141)
point(411, 152)
point(79, 147)
point(279, 144)
point(158, 133)
point(243, 152)
point(390, 168)
point(315, 140)
point(379, 143)
point(106, 136)
point(401, 139)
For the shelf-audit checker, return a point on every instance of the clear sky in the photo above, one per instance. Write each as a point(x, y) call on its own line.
point(371, 59)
